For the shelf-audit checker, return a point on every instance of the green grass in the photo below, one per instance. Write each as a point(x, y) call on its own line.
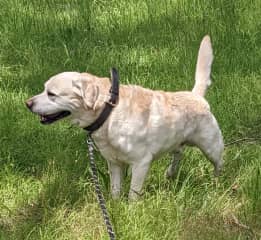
point(45, 190)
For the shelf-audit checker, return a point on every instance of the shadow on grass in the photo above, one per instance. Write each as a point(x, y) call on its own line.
point(78, 44)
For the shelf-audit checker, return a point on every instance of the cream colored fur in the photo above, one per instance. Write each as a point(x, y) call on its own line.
point(144, 125)
point(203, 69)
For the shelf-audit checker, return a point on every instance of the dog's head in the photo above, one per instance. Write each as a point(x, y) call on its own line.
point(70, 93)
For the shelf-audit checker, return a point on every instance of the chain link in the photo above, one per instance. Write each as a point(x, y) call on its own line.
point(95, 181)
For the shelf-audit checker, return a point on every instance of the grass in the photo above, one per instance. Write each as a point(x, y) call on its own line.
point(45, 191)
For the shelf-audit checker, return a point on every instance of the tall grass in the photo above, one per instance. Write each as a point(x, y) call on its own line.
point(45, 192)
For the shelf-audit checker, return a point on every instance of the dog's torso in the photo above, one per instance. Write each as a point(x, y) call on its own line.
point(147, 122)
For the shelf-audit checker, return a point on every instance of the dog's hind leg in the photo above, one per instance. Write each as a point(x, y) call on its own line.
point(173, 168)
point(214, 154)
point(209, 140)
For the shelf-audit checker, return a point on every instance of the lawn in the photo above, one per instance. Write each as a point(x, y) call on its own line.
point(45, 189)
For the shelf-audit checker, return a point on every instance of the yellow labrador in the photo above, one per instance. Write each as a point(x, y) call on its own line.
point(143, 125)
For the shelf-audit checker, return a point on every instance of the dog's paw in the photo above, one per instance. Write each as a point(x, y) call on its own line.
point(134, 195)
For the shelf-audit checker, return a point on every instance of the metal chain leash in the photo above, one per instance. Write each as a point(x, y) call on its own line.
point(95, 181)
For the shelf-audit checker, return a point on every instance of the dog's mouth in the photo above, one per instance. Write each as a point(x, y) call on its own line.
point(47, 119)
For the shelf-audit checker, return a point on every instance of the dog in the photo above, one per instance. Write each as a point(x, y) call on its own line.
point(142, 126)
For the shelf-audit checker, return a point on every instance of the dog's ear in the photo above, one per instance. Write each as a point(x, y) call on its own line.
point(88, 92)
point(77, 87)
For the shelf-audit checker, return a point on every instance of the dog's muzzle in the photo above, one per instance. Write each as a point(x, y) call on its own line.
point(48, 118)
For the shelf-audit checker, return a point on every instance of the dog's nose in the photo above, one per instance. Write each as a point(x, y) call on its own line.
point(29, 103)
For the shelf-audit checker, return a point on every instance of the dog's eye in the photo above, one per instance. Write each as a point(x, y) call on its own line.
point(50, 94)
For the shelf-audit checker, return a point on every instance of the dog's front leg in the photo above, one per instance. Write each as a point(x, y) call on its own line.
point(139, 173)
point(116, 173)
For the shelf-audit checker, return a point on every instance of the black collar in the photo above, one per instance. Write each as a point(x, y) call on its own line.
point(109, 105)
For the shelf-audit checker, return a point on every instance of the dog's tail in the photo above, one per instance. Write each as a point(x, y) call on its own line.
point(203, 69)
